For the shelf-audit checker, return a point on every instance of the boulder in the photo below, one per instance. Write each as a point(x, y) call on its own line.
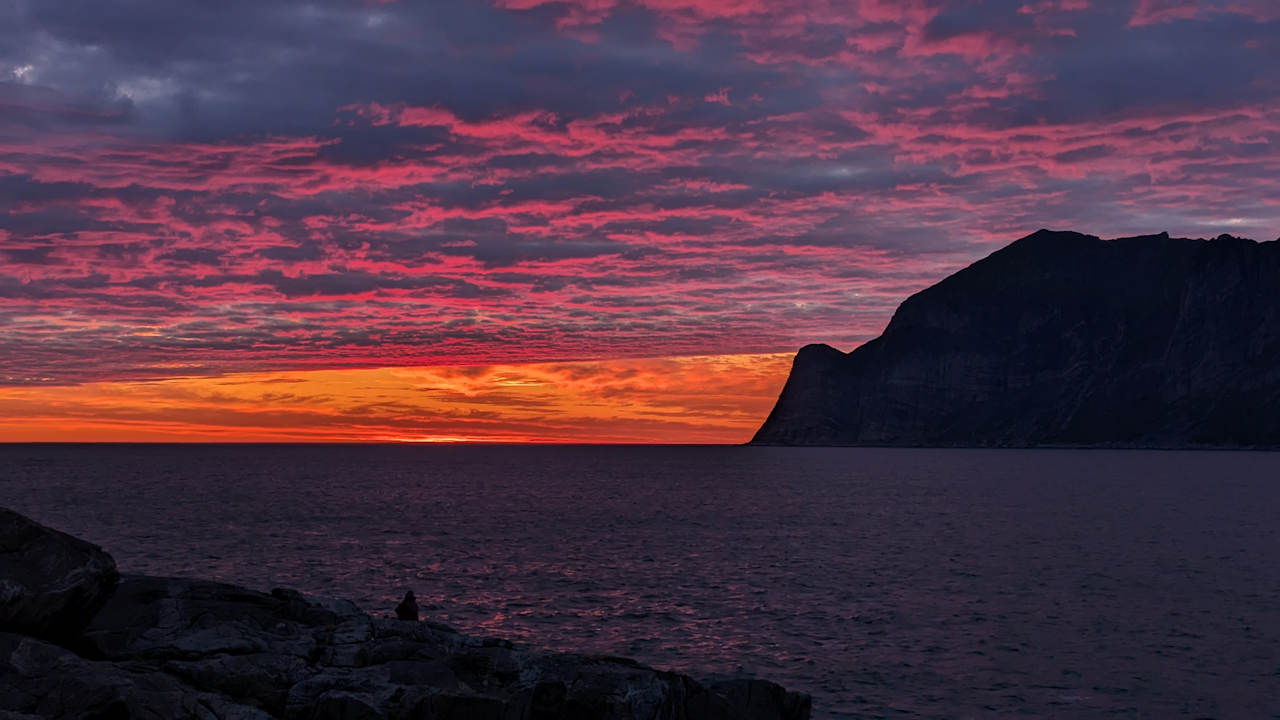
point(755, 699)
point(51, 584)
point(179, 619)
point(41, 680)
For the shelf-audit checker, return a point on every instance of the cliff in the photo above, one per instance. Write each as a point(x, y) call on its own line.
point(1061, 339)
point(78, 641)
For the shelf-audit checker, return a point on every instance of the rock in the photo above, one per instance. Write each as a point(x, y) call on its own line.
point(175, 619)
point(41, 680)
point(753, 699)
point(260, 680)
point(1061, 339)
point(51, 584)
point(294, 657)
point(168, 647)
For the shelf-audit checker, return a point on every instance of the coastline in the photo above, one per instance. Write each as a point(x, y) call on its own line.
point(77, 639)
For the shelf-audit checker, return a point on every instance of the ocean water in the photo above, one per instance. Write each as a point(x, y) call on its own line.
point(886, 583)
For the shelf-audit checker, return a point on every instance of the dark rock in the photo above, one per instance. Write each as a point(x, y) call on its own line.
point(260, 680)
point(548, 700)
point(445, 706)
point(1061, 339)
point(174, 619)
point(41, 680)
point(753, 699)
point(50, 583)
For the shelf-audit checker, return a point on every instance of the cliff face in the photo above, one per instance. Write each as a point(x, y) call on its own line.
point(1061, 339)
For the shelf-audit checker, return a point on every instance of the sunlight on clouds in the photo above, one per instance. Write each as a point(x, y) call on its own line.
point(703, 399)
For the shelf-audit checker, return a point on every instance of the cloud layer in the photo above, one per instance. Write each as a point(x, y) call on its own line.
point(249, 187)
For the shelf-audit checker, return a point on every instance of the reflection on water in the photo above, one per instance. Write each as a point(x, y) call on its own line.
point(900, 583)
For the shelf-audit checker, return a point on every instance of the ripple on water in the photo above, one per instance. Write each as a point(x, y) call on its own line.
point(900, 583)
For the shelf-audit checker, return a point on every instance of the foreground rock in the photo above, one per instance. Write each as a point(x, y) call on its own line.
point(1061, 339)
point(170, 648)
point(51, 584)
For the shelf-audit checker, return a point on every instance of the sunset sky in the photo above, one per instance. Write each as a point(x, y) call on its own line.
point(568, 220)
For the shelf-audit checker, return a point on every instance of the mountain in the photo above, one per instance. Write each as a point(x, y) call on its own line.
point(1061, 339)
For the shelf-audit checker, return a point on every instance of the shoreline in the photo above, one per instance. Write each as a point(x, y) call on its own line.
point(77, 639)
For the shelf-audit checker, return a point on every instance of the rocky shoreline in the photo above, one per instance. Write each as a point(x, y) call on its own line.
point(78, 640)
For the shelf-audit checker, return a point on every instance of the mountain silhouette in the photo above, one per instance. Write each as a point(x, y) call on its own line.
point(1061, 339)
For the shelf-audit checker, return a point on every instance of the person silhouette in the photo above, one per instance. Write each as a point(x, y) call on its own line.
point(408, 607)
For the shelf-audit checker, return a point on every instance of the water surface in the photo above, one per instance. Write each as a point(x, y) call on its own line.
point(887, 583)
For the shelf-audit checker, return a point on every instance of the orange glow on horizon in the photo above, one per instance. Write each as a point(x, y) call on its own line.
point(700, 399)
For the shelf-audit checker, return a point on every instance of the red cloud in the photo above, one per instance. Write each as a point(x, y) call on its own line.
point(1150, 12)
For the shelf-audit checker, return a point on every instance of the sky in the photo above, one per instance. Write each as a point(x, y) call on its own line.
point(569, 220)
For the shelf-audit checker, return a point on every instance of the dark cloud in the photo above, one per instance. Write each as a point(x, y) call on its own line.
point(1091, 152)
point(193, 256)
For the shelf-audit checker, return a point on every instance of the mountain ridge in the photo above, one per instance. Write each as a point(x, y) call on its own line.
point(1061, 339)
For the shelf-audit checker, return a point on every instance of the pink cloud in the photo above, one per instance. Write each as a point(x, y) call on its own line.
point(1148, 12)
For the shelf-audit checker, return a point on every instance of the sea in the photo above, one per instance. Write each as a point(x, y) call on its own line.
point(887, 583)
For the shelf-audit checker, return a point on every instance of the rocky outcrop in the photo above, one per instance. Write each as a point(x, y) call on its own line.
point(1061, 339)
point(51, 584)
point(41, 680)
point(173, 648)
